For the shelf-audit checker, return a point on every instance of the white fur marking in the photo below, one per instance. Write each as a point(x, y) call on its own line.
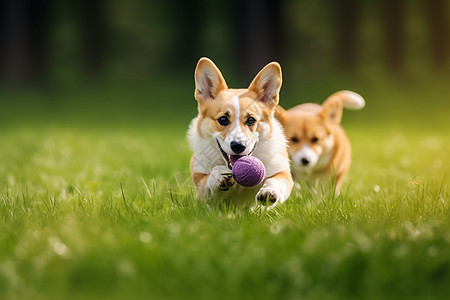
point(236, 133)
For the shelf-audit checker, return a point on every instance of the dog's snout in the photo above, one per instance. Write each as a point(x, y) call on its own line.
point(237, 147)
point(305, 161)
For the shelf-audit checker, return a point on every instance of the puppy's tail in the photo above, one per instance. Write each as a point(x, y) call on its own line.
point(350, 100)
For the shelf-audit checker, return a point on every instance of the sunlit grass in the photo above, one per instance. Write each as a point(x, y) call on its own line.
point(88, 213)
point(96, 202)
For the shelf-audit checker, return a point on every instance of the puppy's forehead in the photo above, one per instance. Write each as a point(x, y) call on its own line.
point(247, 105)
point(304, 123)
point(299, 121)
point(231, 100)
point(230, 93)
point(221, 104)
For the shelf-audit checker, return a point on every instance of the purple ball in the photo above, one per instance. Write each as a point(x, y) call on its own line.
point(248, 171)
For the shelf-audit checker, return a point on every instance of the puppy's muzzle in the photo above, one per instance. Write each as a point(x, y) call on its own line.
point(237, 147)
point(305, 161)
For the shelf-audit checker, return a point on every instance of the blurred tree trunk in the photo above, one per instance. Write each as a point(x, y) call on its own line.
point(394, 40)
point(186, 21)
point(94, 31)
point(23, 40)
point(347, 26)
point(258, 35)
point(438, 32)
point(3, 24)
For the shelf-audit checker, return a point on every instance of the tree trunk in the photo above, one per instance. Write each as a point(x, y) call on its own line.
point(94, 31)
point(347, 22)
point(438, 32)
point(394, 15)
point(186, 20)
point(258, 35)
point(24, 33)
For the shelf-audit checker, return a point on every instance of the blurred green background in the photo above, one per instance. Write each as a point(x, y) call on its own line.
point(132, 62)
point(95, 195)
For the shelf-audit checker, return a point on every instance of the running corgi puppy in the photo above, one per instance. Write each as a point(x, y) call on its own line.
point(233, 123)
point(318, 146)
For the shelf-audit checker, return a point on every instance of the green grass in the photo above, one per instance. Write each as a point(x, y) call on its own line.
point(109, 212)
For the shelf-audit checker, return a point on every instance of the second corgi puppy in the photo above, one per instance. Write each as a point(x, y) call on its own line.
point(233, 123)
point(318, 146)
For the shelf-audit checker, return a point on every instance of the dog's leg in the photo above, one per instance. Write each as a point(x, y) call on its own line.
point(339, 181)
point(209, 184)
point(276, 189)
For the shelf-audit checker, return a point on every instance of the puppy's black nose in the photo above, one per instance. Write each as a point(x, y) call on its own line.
point(305, 161)
point(236, 147)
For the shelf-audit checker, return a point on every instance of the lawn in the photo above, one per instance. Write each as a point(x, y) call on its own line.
point(96, 203)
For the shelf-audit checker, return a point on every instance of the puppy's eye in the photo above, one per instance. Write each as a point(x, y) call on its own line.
point(314, 140)
point(250, 121)
point(223, 120)
point(294, 139)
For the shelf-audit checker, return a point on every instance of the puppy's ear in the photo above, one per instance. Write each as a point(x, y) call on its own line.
point(332, 110)
point(208, 80)
point(280, 114)
point(267, 84)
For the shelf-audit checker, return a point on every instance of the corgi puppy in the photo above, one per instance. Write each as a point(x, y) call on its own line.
point(233, 123)
point(318, 146)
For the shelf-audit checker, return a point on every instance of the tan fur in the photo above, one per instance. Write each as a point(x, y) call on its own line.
point(314, 131)
point(264, 139)
point(210, 111)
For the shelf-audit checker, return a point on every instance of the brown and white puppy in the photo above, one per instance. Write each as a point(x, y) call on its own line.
point(232, 123)
point(318, 146)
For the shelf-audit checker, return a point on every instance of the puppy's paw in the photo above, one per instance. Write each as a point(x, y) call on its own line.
point(219, 180)
point(226, 183)
point(267, 196)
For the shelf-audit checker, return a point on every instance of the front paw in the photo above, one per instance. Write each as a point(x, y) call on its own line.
point(226, 183)
point(267, 196)
point(220, 179)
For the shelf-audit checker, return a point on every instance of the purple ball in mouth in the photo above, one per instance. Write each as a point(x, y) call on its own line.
point(248, 171)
